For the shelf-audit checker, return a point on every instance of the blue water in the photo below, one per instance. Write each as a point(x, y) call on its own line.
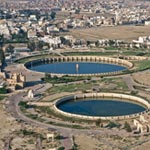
point(70, 68)
point(100, 107)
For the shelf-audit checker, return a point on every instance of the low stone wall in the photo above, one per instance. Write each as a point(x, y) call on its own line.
point(122, 97)
point(40, 103)
point(83, 59)
point(136, 58)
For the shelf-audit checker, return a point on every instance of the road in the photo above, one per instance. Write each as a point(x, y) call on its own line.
point(13, 108)
point(129, 81)
point(7, 143)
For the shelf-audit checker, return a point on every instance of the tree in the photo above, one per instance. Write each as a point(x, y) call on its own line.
point(127, 127)
point(47, 76)
point(32, 45)
point(2, 57)
point(77, 11)
point(98, 122)
point(40, 45)
point(97, 43)
point(53, 15)
point(88, 43)
point(111, 42)
point(1, 40)
point(10, 49)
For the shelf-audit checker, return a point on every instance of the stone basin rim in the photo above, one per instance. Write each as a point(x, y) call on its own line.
point(123, 97)
point(98, 59)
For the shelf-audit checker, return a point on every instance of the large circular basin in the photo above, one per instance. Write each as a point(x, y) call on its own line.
point(76, 68)
point(100, 107)
point(79, 65)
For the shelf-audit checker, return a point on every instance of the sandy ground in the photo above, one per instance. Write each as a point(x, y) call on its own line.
point(85, 142)
point(10, 128)
point(112, 142)
point(128, 33)
point(7, 125)
point(142, 77)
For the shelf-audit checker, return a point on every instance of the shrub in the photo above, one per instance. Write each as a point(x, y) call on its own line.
point(127, 127)
point(134, 92)
point(98, 122)
point(113, 125)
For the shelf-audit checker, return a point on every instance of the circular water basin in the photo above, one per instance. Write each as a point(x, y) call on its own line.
point(100, 107)
point(76, 67)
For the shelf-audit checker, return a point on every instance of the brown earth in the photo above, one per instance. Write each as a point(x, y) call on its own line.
point(127, 33)
point(142, 77)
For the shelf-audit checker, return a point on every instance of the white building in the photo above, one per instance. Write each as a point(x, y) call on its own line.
point(147, 23)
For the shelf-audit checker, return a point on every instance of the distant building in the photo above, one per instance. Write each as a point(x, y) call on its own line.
point(31, 33)
point(147, 23)
point(16, 81)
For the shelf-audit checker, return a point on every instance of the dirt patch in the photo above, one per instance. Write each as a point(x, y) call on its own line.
point(128, 33)
point(142, 77)
point(7, 125)
point(109, 142)
point(85, 142)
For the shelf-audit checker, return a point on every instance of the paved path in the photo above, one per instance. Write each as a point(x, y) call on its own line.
point(38, 144)
point(7, 143)
point(129, 81)
point(13, 108)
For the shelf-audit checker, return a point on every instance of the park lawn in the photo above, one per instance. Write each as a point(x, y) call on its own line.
point(143, 65)
point(3, 90)
point(30, 58)
point(118, 81)
point(71, 88)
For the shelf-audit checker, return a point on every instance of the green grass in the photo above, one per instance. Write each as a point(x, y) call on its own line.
point(88, 53)
point(2, 97)
point(30, 58)
point(32, 116)
point(67, 125)
point(143, 65)
point(111, 48)
point(132, 53)
point(63, 79)
point(48, 110)
point(88, 86)
point(70, 88)
point(112, 124)
point(122, 84)
point(126, 53)
point(118, 81)
point(3, 90)
point(26, 132)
